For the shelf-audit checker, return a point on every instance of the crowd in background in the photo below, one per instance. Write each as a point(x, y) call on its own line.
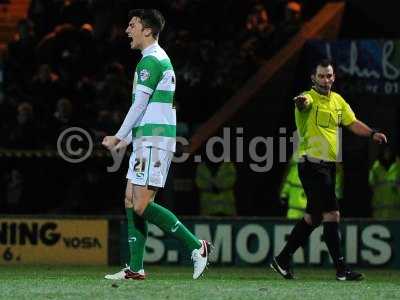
point(70, 64)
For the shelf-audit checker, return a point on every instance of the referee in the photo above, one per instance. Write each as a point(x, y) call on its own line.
point(319, 112)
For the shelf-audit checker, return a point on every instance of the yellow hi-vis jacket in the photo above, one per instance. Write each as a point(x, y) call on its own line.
point(217, 192)
point(385, 185)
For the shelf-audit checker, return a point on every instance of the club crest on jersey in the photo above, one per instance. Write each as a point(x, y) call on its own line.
point(144, 75)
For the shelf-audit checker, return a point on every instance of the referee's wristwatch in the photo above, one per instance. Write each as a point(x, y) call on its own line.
point(372, 133)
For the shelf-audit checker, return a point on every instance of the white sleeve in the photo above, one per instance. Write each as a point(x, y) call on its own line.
point(134, 114)
point(128, 139)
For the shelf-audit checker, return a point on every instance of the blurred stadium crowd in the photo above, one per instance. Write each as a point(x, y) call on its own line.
point(70, 64)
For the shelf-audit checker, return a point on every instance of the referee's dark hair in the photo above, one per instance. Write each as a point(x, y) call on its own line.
point(150, 18)
point(324, 62)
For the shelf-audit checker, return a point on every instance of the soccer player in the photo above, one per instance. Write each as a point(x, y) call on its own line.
point(318, 114)
point(150, 125)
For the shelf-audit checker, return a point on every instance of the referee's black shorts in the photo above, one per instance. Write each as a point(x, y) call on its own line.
point(318, 179)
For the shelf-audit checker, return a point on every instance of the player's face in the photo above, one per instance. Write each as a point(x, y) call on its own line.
point(135, 33)
point(323, 79)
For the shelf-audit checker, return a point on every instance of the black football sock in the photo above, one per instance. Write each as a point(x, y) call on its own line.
point(297, 238)
point(332, 240)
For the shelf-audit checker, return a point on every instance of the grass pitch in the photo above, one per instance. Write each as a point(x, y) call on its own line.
point(54, 282)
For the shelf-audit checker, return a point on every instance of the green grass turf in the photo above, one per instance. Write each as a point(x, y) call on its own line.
point(53, 282)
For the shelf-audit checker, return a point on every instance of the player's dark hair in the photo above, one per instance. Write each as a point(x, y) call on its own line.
point(150, 18)
point(325, 62)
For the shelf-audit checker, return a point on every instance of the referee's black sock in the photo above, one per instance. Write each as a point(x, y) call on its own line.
point(297, 238)
point(332, 240)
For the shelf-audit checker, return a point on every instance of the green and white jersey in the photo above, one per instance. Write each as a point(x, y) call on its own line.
point(155, 76)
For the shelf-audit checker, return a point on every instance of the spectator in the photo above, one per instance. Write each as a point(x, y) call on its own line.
point(63, 115)
point(87, 55)
point(384, 180)
point(62, 119)
point(21, 53)
point(102, 17)
point(24, 133)
point(84, 93)
point(75, 12)
point(291, 24)
point(44, 15)
point(258, 33)
point(114, 91)
point(45, 89)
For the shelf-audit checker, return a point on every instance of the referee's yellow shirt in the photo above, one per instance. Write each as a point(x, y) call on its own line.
point(318, 125)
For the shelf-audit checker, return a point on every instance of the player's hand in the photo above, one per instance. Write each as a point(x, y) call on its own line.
point(121, 145)
point(110, 142)
point(379, 138)
point(301, 102)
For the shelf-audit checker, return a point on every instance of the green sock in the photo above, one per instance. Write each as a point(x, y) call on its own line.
point(168, 222)
point(137, 235)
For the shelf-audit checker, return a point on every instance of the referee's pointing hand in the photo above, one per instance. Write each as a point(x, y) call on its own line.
point(301, 101)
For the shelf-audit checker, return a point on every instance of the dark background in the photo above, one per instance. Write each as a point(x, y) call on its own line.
point(213, 53)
